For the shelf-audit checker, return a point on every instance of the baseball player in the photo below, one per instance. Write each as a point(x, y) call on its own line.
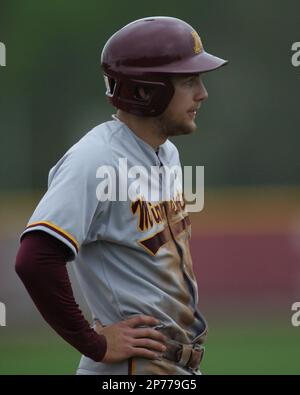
point(131, 256)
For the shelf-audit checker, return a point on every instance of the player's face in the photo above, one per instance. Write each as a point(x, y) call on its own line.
point(179, 117)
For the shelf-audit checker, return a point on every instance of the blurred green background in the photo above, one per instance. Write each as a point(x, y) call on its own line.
point(246, 242)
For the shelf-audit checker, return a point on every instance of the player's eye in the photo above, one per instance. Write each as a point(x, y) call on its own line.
point(189, 83)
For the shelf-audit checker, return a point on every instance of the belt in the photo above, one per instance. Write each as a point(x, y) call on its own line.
point(186, 355)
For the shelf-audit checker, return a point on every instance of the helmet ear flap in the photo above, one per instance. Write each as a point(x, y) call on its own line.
point(140, 97)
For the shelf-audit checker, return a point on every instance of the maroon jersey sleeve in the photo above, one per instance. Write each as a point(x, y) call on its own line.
point(41, 265)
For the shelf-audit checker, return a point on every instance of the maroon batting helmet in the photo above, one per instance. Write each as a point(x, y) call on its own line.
point(145, 53)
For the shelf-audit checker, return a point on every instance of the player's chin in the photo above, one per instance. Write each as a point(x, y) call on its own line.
point(189, 127)
point(184, 127)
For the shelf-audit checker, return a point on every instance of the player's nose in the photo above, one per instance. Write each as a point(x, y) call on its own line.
point(201, 93)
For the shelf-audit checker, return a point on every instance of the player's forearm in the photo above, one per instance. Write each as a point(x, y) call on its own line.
point(41, 265)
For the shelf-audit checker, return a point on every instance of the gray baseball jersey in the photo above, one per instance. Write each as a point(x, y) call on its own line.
point(132, 257)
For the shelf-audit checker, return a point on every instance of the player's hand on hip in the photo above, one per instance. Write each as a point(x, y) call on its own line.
point(134, 337)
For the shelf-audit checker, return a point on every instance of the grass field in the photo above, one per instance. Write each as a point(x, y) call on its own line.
point(260, 349)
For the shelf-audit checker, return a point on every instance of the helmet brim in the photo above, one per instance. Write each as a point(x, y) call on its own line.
point(208, 62)
point(202, 63)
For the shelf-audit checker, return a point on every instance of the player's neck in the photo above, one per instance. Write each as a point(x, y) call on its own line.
point(144, 127)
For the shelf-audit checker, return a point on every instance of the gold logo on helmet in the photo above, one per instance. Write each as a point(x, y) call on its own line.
point(197, 41)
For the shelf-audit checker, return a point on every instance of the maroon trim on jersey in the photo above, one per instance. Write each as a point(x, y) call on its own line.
point(156, 241)
point(41, 265)
point(55, 229)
